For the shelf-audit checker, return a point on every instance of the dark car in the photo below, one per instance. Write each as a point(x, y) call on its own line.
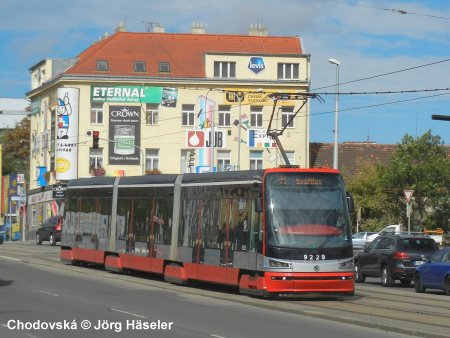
point(50, 231)
point(434, 273)
point(393, 257)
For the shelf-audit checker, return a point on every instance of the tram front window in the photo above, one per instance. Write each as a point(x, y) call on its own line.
point(306, 212)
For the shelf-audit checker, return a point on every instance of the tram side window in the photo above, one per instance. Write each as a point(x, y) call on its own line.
point(103, 217)
point(123, 218)
point(86, 216)
point(211, 223)
point(141, 219)
point(70, 216)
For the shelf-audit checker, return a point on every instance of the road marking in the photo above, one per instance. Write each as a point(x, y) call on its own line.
point(128, 313)
point(214, 335)
point(46, 292)
point(11, 258)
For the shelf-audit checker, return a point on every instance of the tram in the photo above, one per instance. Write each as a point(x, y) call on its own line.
point(278, 231)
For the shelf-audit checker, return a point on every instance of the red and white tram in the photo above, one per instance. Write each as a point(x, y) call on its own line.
point(267, 232)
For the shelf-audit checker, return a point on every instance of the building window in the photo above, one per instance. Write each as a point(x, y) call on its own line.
point(97, 113)
point(95, 158)
point(187, 161)
point(291, 157)
point(224, 116)
point(151, 159)
point(288, 71)
point(102, 65)
point(256, 160)
point(151, 114)
point(224, 69)
point(188, 115)
point(256, 116)
point(139, 66)
point(286, 115)
point(224, 161)
point(164, 67)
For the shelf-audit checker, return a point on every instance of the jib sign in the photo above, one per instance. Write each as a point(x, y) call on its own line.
point(200, 138)
point(256, 64)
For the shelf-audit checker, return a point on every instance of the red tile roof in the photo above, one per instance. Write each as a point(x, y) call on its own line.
point(184, 52)
point(351, 155)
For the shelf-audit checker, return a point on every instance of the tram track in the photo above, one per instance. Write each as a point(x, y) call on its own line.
point(393, 309)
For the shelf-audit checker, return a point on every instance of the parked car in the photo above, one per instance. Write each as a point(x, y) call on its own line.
point(434, 273)
point(393, 257)
point(359, 239)
point(50, 231)
point(390, 229)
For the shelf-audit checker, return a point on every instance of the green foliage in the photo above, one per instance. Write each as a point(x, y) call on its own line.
point(420, 164)
point(16, 150)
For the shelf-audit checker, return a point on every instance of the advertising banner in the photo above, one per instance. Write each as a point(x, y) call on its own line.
point(124, 135)
point(67, 136)
point(127, 94)
point(257, 138)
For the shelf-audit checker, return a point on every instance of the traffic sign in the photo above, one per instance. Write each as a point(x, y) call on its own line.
point(408, 194)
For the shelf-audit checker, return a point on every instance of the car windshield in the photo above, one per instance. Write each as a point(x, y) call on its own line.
point(306, 211)
point(359, 235)
point(418, 244)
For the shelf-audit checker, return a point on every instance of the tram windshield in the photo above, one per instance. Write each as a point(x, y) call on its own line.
point(306, 210)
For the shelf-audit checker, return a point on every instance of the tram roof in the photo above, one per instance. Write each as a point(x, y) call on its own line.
point(162, 179)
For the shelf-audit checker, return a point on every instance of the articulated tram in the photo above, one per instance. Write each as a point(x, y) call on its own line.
point(268, 232)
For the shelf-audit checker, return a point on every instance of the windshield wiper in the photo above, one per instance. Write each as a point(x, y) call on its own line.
point(334, 233)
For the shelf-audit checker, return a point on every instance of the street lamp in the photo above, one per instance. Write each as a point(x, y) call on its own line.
point(336, 115)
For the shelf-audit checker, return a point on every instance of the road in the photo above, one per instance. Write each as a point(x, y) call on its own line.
point(37, 289)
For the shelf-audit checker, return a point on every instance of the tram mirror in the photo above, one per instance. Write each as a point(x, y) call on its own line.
point(350, 202)
point(258, 204)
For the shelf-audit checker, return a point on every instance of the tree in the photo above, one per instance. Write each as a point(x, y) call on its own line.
point(16, 148)
point(370, 198)
point(420, 164)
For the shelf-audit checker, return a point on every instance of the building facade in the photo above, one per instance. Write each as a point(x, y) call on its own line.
point(138, 103)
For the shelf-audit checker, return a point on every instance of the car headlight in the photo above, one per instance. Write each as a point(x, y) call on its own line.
point(279, 264)
point(347, 264)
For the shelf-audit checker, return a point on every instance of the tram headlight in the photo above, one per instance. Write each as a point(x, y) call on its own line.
point(347, 264)
point(279, 264)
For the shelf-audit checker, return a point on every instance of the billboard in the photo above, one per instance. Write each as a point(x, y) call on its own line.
point(124, 135)
point(67, 136)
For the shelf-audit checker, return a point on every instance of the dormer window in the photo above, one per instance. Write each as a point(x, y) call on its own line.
point(164, 67)
point(139, 66)
point(102, 65)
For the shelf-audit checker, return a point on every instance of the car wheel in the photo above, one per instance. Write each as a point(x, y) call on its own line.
point(359, 277)
point(52, 240)
point(38, 239)
point(418, 286)
point(447, 286)
point(386, 278)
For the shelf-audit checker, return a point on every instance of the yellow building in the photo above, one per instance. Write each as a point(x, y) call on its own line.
point(153, 99)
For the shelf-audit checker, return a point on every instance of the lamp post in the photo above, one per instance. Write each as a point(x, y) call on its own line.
point(239, 96)
point(336, 115)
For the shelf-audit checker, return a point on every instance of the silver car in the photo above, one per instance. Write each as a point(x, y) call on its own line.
point(359, 239)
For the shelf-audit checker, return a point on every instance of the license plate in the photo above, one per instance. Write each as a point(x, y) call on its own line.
point(418, 263)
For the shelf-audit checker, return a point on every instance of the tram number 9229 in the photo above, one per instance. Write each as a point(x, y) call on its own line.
point(314, 257)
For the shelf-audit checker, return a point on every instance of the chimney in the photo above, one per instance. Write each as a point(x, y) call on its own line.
point(158, 28)
point(121, 27)
point(257, 29)
point(197, 28)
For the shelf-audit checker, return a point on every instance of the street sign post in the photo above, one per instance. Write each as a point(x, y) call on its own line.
point(408, 195)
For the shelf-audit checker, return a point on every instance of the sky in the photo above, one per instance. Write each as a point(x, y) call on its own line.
point(401, 47)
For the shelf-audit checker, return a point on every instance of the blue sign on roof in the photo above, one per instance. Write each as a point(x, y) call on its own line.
point(256, 64)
